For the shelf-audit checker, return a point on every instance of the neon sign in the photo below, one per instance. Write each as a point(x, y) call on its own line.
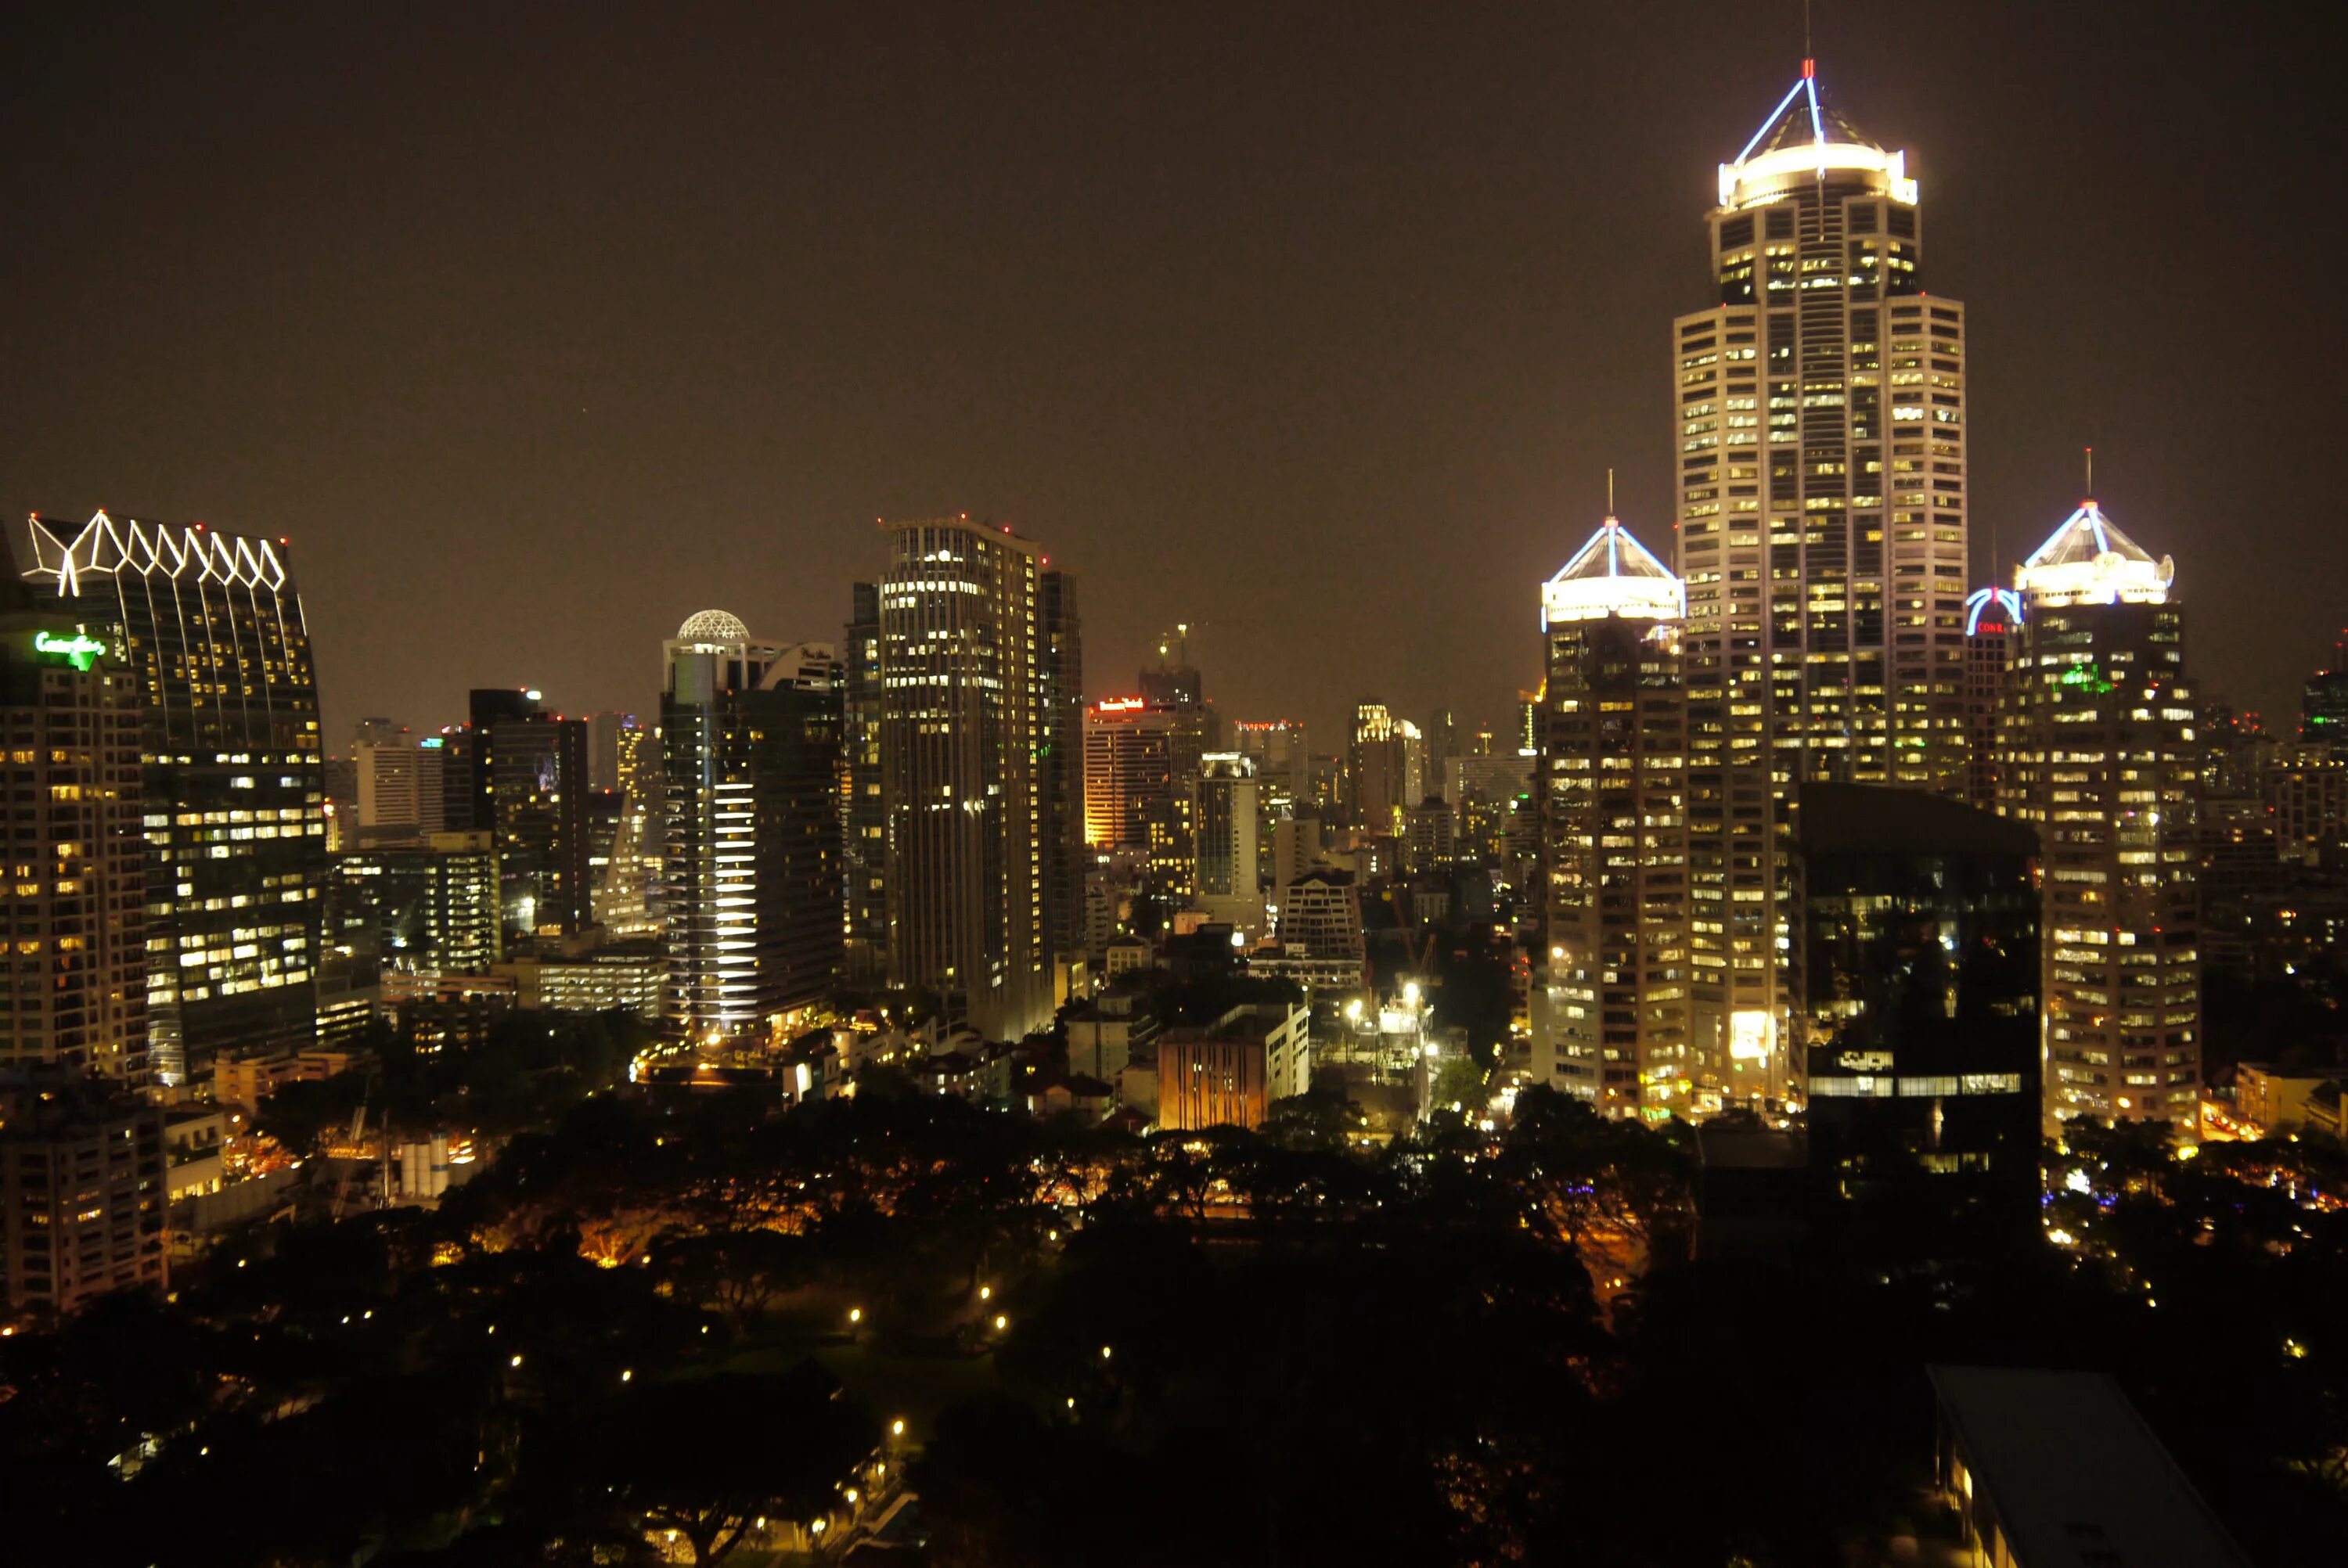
point(80, 649)
point(1120, 704)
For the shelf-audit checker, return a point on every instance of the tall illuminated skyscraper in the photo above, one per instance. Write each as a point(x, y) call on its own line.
point(73, 971)
point(1060, 764)
point(2101, 757)
point(751, 737)
point(1820, 425)
point(1610, 1012)
point(234, 796)
point(962, 720)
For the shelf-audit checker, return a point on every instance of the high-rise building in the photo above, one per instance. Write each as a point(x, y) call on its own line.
point(962, 721)
point(212, 629)
point(626, 894)
point(1321, 913)
point(604, 731)
point(1920, 981)
point(2100, 758)
point(1820, 422)
point(1134, 794)
point(545, 832)
point(2323, 712)
point(1225, 818)
point(433, 908)
point(1378, 767)
point(400, 794)
point(1060, 766)
point(865, 821)
point(73, 983)
point(1992, 620)
point(750, 732)
point(1612, 1012)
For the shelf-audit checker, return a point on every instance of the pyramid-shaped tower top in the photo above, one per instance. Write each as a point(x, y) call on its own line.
point(1613, 574)
point(2088, 560)
point(1803, 138)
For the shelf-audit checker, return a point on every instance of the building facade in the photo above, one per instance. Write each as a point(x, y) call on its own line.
point(961, 724)
point(1060, 764)
point(212, 629)
point(73, 984)
point(1820, 425)
point(752, 864)
point(865, 821)
point(2100, 758)
point(1612, 1010)
point(82, 1189)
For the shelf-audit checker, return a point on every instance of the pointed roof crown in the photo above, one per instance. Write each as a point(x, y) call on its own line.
point(1613, 574)
point(2087, 560)
point(1803, 138)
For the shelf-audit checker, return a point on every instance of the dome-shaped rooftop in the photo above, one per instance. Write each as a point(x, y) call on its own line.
point(712, 626)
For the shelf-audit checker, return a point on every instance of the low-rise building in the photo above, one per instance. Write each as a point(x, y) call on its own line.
point(82, 1194)
point(1229, 1072)
point(2056, 1470)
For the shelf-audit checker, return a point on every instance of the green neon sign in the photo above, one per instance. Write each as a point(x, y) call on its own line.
point(80, 649)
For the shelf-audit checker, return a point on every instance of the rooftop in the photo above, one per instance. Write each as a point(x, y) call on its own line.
point(1805, 136)
point(2087, 560)
point(2073, 1473)
point(1613, 574)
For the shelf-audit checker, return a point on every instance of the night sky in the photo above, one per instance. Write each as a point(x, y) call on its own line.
point(1318, 326)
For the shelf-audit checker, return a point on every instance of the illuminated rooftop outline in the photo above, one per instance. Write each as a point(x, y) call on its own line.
point(1801, 137)
point(1613, 574)
point(2087, 560)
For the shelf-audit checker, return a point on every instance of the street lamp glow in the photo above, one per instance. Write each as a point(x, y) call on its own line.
point(897, 1427)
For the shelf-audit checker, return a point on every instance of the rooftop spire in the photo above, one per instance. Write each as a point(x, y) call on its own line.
point(1613, 574)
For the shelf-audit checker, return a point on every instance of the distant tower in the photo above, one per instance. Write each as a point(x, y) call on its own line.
point(1060, 768)
point(1992, 622)
point(1612, 1012)
point(217, 644)
point(2100, 757)
point(1820, 419)
point(961, 722)
point(865, 820)
point(750, 732)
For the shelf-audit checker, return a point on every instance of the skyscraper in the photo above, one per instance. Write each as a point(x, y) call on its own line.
point(73, 977)
point(1132, 795)
point(1061, 767)
point(530, 788)
point(962, 721)
point(1992, 621)
point(1820, 422)
point(1377, 764)
point(1612, 1012)
point(2100, 757)
point(750, 732)
point(234, 802)
point(1224, 819)
point(865, 821)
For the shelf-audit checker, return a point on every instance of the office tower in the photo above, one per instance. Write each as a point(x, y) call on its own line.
point(750, 735)
point(1132, 788)
point(1060, 768)
point(1225, 817)
point(73, 984)
point(1377, 768)
point(866, 822)
point(460, 807)
point(1442, 744)
point(1283, 762)
point(1611, 1010)
point(1295, 852)
point(234, 804)
point(1920, 977)
point(400, 789)
point(82, 1186)
point(2100, 758)
point(603, 750)
point(962, 718)
point(626, 892)
point(529, 778)
point(2323, 712)
point(544, 833)
point(1820, 422)
point(431, 908)
point(1992, 616)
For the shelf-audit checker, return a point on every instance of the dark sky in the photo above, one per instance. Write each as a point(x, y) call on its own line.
point(539, 328)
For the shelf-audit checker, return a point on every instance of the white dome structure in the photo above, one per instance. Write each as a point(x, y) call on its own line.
point(712, 626)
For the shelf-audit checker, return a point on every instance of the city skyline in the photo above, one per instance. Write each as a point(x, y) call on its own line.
point(1197, 381)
